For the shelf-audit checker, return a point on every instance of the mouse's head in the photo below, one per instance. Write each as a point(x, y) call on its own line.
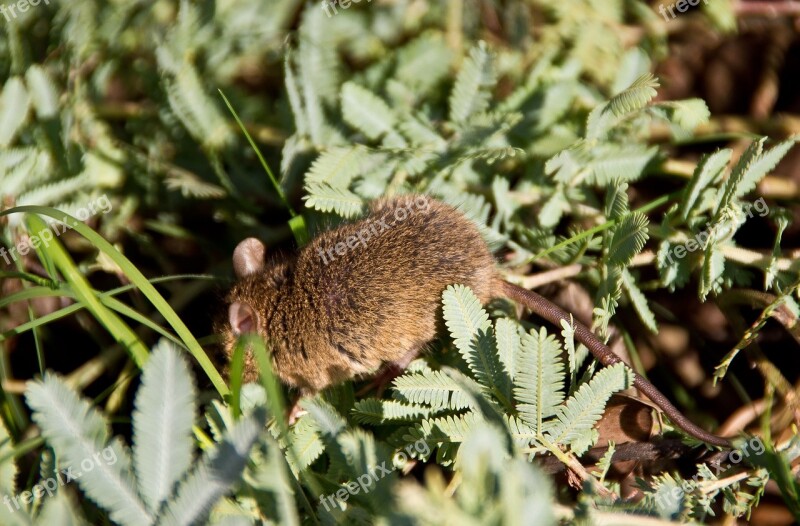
point(255, 292)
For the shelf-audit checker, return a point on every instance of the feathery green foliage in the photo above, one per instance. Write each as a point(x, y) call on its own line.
point(153, 487)
point(542, 124)
point(163, 453)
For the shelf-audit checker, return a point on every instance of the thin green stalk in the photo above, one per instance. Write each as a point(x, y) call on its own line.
point(37, 343)
point(32, 278)
point(272, 178)
point(64, 291)
point(237, 369)
point(664, 199)
point(633, 352)
point(297, 222)
point(276, 405)
point(13, 410)
point(45, 292)
point(136, 277)
point(84, 294)
point(23, 448)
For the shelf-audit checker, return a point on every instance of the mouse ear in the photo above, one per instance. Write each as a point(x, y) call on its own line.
point(242, 318)
point(248, 257)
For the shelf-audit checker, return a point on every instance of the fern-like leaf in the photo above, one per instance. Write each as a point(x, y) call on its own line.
point(635, 97)
point(197, 111)
point(706, 173)
point(54, 192)
point(217, 472)
point(464, 316)
point(294, 95)
point(628, 239)
point(605, 462)
point(713, 267)
point(626, 163)
point(162, 424)
point(575, 355)
point(424, 62)
point(375, 412)
point(77, 432)
point(14, 108)
point(43, 92)
point(306, 442)
point(473, 336)
point(366, 112)
point(539, 385)
point(471, 91)
point(449, 429)
point(190, 185)
point(327, 198)
point(329, 422)
point(521, 433)
point(639, 302)
point(421, 133)
point(765, 163)
point(578, 416)
point(318, 76)
point(674, 273)
point(337, 166)
point(8, 475)
point(609, 291)
point(566, 165)
point(432, 388)
point(686, 114)
point(729, 190)
point(616, 204)
point(508, 345)
point(552, 209)
point(782, 221)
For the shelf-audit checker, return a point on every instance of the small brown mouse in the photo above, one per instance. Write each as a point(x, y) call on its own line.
point(369, 292)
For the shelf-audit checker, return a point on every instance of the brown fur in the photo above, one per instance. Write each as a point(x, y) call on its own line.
point(378, 302)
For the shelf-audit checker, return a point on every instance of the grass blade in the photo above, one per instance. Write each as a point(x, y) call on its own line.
point(137, 278)
point(86, 295)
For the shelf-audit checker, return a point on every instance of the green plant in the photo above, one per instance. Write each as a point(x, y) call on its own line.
point(539, 119)
point(154, 482)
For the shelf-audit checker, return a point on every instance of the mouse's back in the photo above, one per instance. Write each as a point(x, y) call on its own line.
point(409, 247)
point(375, 285)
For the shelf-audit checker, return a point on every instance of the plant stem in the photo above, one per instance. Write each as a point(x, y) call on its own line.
point(664, 199)
point(576, 467)
point(272, 178)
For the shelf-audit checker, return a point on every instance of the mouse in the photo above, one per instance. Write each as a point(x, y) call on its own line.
point(368, 293)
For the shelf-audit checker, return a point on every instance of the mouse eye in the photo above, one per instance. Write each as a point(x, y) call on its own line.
point(242, 318)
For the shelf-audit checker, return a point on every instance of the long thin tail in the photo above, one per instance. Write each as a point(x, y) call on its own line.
point(552, 313)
